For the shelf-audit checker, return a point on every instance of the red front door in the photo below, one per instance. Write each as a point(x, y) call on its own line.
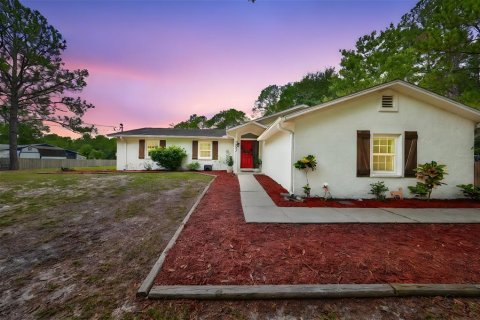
point(246, 154)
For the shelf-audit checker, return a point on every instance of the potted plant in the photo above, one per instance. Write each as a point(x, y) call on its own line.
point(229, 162)
point(257, 163)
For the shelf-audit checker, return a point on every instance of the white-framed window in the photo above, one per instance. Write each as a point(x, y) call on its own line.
point(151, 144)
point(205, 150)
point(386, 155)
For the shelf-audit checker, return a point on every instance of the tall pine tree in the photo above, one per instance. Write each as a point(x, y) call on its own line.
point(34, 84)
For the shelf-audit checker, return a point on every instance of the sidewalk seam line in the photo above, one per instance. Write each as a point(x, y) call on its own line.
point(398, 214)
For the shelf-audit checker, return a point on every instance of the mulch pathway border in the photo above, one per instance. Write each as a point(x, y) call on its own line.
point(244, 292)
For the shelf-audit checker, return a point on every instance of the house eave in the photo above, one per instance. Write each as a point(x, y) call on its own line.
point(246, 124)
point(171, 137)
point(271, 130)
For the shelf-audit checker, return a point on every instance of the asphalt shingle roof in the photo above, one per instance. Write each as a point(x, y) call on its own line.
point(174, 132)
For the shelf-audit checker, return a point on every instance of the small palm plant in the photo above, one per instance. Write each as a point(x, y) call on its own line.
point(308, 163)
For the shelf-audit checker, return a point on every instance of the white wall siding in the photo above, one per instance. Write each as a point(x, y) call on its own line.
point(331, 136)
point(276, 159)
point(127, 153)
point(122, 155)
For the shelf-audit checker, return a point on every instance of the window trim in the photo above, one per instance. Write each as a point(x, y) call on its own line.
point(210, 157)
point(398, 172)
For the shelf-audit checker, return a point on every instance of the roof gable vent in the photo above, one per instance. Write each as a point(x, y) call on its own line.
point(387, 101)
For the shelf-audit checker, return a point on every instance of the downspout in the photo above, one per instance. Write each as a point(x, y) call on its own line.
point(292, 151)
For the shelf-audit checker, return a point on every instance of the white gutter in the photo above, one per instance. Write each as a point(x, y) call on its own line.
point(225, 137)
point(292, 151)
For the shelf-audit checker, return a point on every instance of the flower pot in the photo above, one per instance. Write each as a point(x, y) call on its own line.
point(229, 169)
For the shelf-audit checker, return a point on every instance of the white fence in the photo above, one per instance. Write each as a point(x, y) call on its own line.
point(26, 164)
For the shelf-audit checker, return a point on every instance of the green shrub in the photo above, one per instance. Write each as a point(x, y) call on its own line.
point(378, 189)
point(420, 190)
point(170, 158)
point(470, 191)
point(430, 176)
point(194, 166)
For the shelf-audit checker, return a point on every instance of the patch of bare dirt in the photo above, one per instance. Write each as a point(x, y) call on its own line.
point(86, 259)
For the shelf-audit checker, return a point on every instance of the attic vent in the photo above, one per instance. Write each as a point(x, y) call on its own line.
point(387, 101)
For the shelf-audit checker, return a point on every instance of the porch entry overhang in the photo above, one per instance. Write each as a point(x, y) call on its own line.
point(247, 150)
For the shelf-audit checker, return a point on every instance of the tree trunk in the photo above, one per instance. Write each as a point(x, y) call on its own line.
point(14, 105)
point(13, 134)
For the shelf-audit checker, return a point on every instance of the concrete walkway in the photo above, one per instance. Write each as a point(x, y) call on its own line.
point(258, 207)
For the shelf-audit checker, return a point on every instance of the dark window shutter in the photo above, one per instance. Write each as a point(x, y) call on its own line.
point(411, 138)
point(163, 143)
point(194, 150)
point(215, 150)
point(363, 153)
point(141, 149)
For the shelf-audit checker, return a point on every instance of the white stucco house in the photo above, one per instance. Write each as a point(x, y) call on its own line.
point(378, 134)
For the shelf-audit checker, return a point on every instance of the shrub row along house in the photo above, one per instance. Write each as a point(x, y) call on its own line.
point(380, 133)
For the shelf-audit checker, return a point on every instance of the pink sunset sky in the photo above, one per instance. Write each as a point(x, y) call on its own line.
point(153, 63)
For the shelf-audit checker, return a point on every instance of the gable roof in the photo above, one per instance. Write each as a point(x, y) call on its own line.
point(171, 132)
point(407, 89)
point(254, 122)
point(34, 145)
point(266, 119)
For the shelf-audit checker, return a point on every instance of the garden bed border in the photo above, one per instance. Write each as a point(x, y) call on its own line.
point(321, 291)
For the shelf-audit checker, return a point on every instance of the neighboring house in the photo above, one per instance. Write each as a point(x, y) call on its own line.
point(40, 151)
point(378, 134)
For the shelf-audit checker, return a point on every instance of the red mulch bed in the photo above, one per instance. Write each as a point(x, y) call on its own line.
point(274, 190)
point(218, 247)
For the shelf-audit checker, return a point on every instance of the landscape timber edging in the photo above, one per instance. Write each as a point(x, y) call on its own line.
point(147, 284)
point(244, 292)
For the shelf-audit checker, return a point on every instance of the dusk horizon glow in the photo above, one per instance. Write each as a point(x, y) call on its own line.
point(153, 63)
